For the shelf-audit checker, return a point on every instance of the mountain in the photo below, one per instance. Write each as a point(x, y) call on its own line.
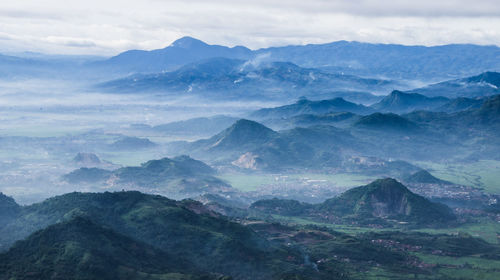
point(435, 63)
point(81, 249)
point(395, 62)
point(480, 120)
point(179, 177)
point(305, 106)
point(131, 143)
point(382, 202)
point(387, 199)
point(183, 229)
point(197, 126)
point(183, 51)
point(390, 60)
point(485, 84)
point(401, 102)
point(386, 122)
point(424, 177)
point(163, 168)
point(87, 160)
point(489, 112)
point(460, 104)
point(243, 134)
point(8, 208)
point(223, 78)
point(360, 148)
point(251, 145)
point(340, 119)
point(87, 175)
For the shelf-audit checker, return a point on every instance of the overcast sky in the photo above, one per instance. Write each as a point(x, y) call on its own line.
point(107, 27)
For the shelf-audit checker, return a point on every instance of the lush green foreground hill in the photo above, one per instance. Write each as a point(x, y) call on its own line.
point(130, 235)
point(183, 229)
point(81, 249)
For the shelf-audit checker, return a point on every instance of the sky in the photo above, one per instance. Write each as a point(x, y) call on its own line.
point(108, 27)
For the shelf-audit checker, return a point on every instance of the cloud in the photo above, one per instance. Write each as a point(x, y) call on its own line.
point(71, 42)
point(256, 61)
point(109, 27)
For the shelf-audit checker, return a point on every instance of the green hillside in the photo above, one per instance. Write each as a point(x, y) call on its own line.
point(81, 249)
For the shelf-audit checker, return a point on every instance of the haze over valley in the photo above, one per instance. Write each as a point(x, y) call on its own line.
point(339, 160)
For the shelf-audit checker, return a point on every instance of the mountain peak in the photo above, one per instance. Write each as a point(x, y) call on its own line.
point(490, 110)
point(246, 128)
point(424, 177)
point(306, 106)
point(386, 121)
point(187, 42)
point(492, 78)
point(387, 184)
point(8, 208)
point(248, 124)
point(243, 132)
point(400, 102)
point(398, 93)
point(179, 165)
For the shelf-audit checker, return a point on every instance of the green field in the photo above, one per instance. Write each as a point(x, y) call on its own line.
point(474, 262)
point(481, 174)
point(469, 267)
point(484, 228)
point(337, 227)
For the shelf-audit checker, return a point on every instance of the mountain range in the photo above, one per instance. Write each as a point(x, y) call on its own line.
point(484, 84)
point(305, 106)
point(130, 235)
point(251, 145)
point(354, 58)
point(223, 78)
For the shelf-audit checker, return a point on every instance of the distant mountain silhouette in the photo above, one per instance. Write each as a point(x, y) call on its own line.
point(234, 78)
point(435, 63)
point(183, 51)
point(485, 84)
point(242, 134)
point(390, 121)
point(401, 102)
point(460, 104)
point(305, 106)
point(8, 208)
point(424, 177)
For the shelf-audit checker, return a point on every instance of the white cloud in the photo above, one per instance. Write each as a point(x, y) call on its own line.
point(112, 26)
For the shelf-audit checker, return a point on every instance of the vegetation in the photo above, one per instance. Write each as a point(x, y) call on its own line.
point(384, 202)
point(211, 242)
point(81, 249)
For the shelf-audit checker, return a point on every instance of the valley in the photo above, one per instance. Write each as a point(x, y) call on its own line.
point(202, 161)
